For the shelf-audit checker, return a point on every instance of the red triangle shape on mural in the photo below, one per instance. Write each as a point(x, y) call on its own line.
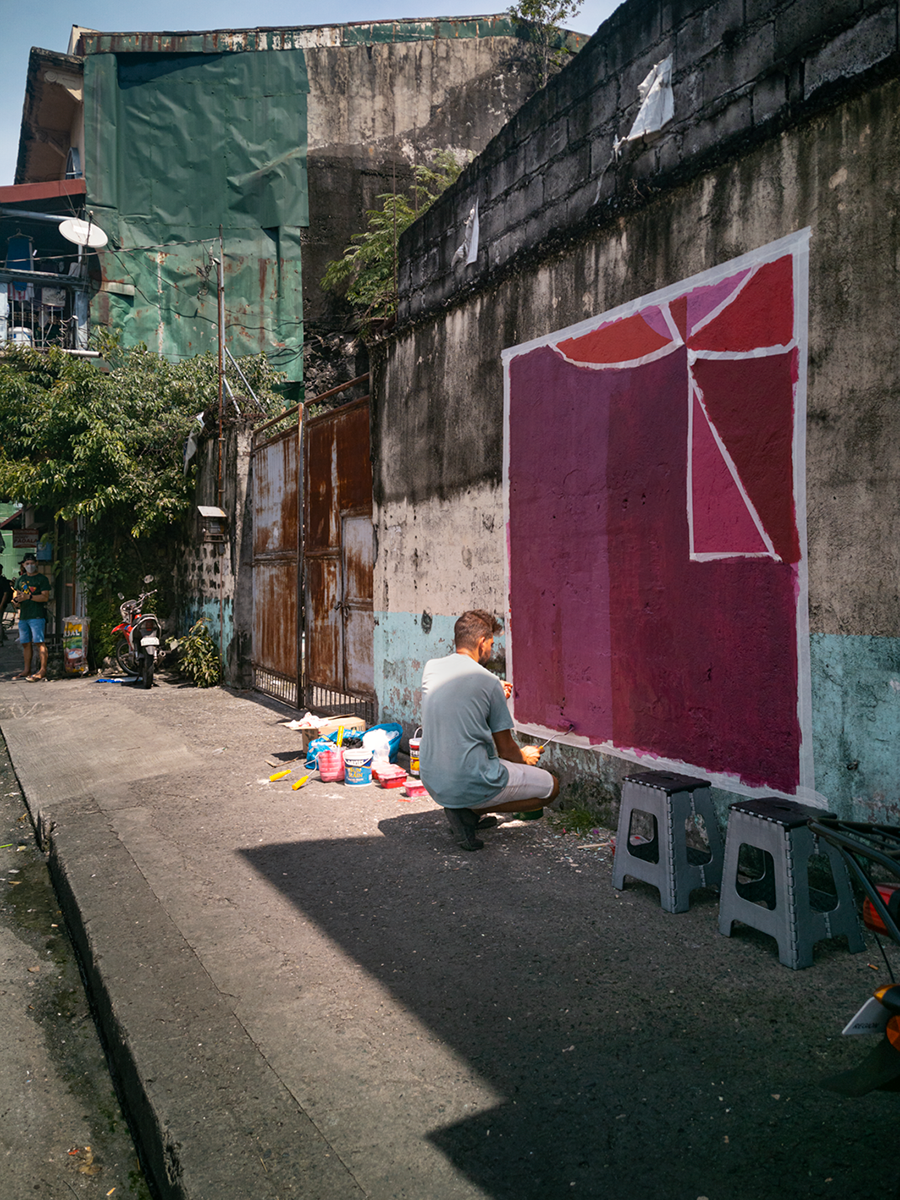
point(722, 523)
point(750, 403)
point(761, 313)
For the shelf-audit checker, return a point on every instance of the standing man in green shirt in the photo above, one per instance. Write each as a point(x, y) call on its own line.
point(30, 595)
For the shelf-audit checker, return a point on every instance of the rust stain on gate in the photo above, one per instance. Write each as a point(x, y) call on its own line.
point(339, 555)
point(313, 552)
point(277, 557)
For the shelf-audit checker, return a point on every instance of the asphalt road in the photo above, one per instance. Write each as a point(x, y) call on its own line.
point(317, 994)
point(62, 1132)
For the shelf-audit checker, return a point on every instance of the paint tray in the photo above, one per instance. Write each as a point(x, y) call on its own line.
point(387, 775)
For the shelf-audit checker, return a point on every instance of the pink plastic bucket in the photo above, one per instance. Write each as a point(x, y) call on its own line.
point(331, 766)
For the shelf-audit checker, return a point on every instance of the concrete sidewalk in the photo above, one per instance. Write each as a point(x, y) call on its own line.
point(317, 994)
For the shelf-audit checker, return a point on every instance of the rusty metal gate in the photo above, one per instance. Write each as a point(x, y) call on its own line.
point(338, 556)
point(313, 619)
point(276, 659)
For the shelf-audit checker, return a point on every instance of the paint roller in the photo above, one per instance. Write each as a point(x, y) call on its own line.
point(562, 733)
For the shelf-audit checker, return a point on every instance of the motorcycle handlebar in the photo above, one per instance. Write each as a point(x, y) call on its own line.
point(131, 607)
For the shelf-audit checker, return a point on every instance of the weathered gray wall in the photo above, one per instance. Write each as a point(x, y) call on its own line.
point(742, 71)
point(785, 118)
point(218, 586)
point(377, 108)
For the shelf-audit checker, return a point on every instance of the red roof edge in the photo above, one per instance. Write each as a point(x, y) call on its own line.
point(19, 193)
point(9, 520)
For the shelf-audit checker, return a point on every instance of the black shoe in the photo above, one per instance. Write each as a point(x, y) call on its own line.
point(471, 819)
point(463, 829)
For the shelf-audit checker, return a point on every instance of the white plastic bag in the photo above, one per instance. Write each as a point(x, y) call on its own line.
point(378, 742)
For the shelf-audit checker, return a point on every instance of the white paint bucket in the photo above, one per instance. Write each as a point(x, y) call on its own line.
point(357, 767)
point(21, 336)
point(414, 744)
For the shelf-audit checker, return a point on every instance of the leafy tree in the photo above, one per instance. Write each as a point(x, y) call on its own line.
point(539, 21)
point(367, 272)
point(106, 448)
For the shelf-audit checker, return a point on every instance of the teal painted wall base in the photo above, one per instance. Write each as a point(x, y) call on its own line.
point(855, 695)
point(856, 725)
point(402, 648)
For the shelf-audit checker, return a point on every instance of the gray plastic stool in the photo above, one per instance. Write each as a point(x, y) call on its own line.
point(667, 862)
point(780, 827)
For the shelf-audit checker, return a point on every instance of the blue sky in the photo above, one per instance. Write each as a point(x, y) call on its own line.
point(49, 25)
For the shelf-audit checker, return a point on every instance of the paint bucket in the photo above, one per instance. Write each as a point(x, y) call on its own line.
point(21, 336)
point(357, 767)
point(331, 766)
point(414, 743)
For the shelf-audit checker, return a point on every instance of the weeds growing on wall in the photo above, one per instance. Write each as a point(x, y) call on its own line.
point(586, 806)
point(367, 272)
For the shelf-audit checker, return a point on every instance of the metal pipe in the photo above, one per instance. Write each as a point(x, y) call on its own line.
point(221, 308)
point(12, 275)
point(243, 377)
point(30, 216)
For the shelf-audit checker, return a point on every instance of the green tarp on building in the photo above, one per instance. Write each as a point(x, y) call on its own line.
point(177, 145)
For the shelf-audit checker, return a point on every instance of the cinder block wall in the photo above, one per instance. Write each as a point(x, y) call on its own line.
point(743, 70)
point(217, 586)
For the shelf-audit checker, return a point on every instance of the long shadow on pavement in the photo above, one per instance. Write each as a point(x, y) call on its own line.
point(640, 1054)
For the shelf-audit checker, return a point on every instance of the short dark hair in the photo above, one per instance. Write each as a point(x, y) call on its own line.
point(472, 625)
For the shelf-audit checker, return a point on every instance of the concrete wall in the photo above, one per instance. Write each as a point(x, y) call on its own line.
point(218, 586)
point(378, 108)
point(785, 118)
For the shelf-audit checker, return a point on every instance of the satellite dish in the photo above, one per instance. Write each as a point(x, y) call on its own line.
point(83, 233)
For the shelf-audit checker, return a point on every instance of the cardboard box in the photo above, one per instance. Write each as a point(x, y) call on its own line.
point(328, 725)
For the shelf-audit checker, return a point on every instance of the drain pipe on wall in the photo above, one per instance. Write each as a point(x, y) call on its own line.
point(221, 323)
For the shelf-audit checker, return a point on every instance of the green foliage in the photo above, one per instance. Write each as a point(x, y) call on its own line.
point(103, 613)
point(539, 22)
point(366, 273)
point(587, 805)
point(83, 443)
point(199, 656)
point(583, 822)
point(105, 449)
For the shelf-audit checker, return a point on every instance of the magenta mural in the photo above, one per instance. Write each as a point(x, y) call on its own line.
point(654, 480)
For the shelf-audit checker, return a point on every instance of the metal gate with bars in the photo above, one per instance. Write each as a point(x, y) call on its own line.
point(313, 619)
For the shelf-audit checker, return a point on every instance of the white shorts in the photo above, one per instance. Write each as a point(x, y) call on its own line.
point(525, 783)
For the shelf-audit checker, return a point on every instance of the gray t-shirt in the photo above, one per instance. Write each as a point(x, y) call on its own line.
point(462, 706)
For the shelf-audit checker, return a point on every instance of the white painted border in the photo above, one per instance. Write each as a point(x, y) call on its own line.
point(768, 253)
point(796, 244)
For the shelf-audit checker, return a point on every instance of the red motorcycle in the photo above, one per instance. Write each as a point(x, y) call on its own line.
point(872, 853)
point(138, 645)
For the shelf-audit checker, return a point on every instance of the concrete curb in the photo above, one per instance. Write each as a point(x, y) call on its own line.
point(123, 933)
